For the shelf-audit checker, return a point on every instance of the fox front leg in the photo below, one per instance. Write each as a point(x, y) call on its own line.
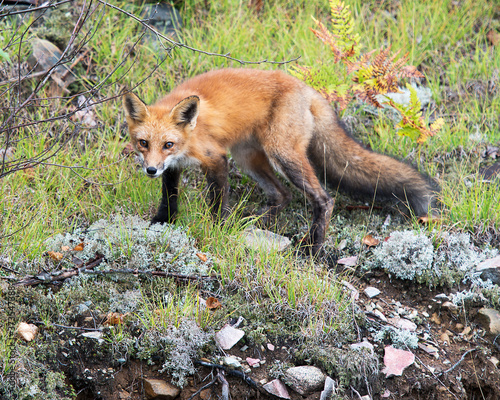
point(170, 191)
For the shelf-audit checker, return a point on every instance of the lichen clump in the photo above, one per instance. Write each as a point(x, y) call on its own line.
point(131, 242)
point(441, 259)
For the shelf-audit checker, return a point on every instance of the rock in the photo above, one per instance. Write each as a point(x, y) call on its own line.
point(253, 361)
point(158, 389)
point(490, 320)
point(406, 324)
point(362, 345)
point(231, 362)
point(277, 388)
point(429, 349)
point(305, 379)
point(328, 390)
point(163, 17)
point(379, 314)
point(490, 269)
point(348, 261)
point(354, 291)
point(396, 360)
point(27, 332)
point(259, 239)
point(424, 95)
point(96, 335)
point(371, 291)
point(45, 55)
point(228, 336)
point(270, 347)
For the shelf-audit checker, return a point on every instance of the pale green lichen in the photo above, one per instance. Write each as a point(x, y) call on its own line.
point(439, 259)
point(175, 347)
point(131, 242)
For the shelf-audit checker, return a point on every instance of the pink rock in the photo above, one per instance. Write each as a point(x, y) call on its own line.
point(270, 346)
point(277, 388)
point(396, 360)
point(348, 261)
point(252, 361)
point(228, 336)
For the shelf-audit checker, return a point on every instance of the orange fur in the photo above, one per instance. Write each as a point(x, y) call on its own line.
point(269, 121)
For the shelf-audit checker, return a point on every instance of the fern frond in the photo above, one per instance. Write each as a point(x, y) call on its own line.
point(412, 123)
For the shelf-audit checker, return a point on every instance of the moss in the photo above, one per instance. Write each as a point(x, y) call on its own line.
point(32, 379)
point(352, 367)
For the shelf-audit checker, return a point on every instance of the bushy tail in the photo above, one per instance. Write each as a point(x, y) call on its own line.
point(347, 165)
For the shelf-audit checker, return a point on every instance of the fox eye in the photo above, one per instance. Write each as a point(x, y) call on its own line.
point(168, 145)
point(143, 143)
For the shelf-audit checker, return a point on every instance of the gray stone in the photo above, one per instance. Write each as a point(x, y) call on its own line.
point(371, 291)
point(424, 94)
point(158, 389)
point(45, 56)
point(163, 17)
point(328, 390)
point(362, 345)
point(231, 362)
point(97, 335)
point(277, 388)
point(259, 239)
point(490, 269)
point(490, 320)
point(305, 379)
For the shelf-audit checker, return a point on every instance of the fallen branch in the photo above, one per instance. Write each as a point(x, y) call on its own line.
point(58, 276)
point(211, 383)
point(457, 363)
point(87, 268)
point(232, 372)
point(225, 385)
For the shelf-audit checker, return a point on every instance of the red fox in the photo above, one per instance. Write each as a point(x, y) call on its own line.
point(270, 121)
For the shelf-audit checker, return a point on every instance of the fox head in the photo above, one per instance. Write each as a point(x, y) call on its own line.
point(160, 136)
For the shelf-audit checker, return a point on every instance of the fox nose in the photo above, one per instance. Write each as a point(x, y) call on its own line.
point(151, 170)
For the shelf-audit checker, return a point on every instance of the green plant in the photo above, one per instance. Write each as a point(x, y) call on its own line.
point(364, 75)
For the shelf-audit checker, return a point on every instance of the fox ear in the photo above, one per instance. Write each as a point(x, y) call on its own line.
point(135, 109)
point(186, 111)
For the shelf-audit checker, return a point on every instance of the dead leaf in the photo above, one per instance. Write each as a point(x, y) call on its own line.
point(427, 219)
point(202, 257)
point(29, 172)
point(56, 256)
point(128, 149)
point(435, 318)
point(79, 247)
point(213, 303)
point(370, 241)
point(493, 37)
point(114, 318)
point(65, 248)
point(27, 332)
